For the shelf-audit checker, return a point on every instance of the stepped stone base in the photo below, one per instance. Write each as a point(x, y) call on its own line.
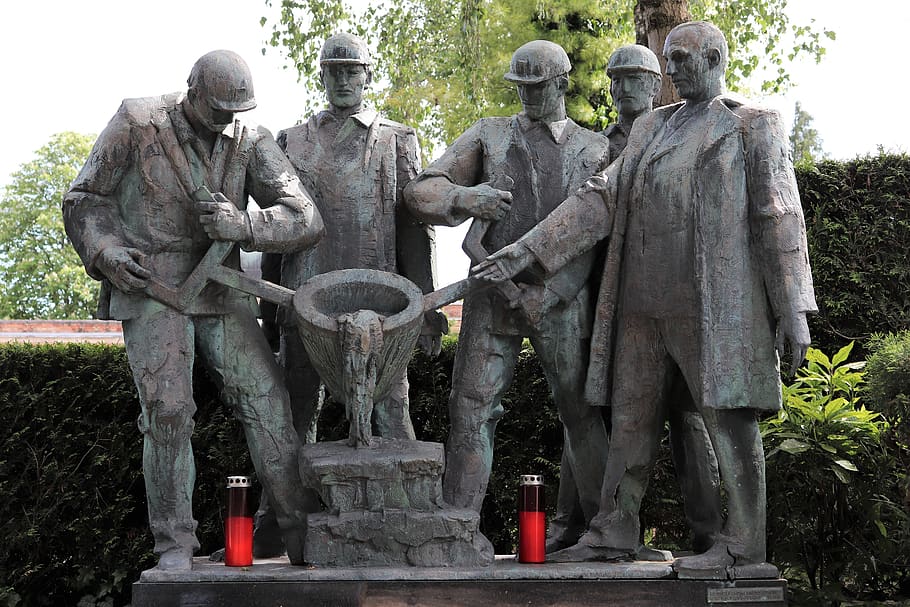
point(444, 537)
point(385, 508)
point(398, 474)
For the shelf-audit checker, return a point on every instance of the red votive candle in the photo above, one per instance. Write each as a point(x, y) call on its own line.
point(238, 524)
point(532, 520)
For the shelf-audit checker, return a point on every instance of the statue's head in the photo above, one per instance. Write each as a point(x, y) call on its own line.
point(220, 84)
point(696, 54)
point(634, 79)
point(345, 69)
point(540, 70)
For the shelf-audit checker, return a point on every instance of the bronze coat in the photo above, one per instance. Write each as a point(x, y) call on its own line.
point(751, 258)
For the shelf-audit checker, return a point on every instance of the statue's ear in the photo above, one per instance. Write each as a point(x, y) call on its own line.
point(369, 76)
point(322, 77)
point(713, 56)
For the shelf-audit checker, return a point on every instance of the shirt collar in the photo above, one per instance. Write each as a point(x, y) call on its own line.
point(364, 117)
point(556, 129)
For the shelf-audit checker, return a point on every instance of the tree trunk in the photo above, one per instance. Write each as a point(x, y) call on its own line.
point(653, 21)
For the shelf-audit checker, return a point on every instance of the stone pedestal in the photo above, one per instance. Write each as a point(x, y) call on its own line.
point(507, 583)
point(384, 508)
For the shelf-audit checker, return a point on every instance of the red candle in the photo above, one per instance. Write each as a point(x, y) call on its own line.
point(532, 521)
point(238, 524)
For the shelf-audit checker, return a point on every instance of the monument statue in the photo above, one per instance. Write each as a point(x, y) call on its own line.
point(355, 164)
point(142, 216)
point(509, 173)
point(703, 210)
point(635, 79)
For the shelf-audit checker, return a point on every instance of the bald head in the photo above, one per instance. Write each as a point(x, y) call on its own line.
point(696, 54)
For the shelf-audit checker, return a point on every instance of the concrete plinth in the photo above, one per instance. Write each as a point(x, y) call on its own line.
point(273, 583)
point(400, 474)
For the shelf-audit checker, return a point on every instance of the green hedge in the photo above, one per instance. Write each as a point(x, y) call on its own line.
point(73, 512)
point(73, 500)
point(858, 224)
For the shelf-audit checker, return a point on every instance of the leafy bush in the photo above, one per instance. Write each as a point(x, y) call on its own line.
point(834, 525)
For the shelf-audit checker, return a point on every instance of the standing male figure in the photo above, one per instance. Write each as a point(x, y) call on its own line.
point(355, 163)
point(137, 212)
point(635, 79)
point(715, 278)
point(541, 156)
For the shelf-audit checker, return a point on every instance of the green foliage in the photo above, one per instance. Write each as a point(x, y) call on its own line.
point(446, 72)
point(762, 40)
point(40, 274)
point(858, 225)
point(805, 143)
point(835, 525)
point(888, 391)
point(73, 515)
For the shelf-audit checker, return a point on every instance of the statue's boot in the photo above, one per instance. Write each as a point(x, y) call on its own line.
point(592, 547)
point(580, 553)
point(267, 540)
point(295, 540)
point(560, 536)
point(176, 559)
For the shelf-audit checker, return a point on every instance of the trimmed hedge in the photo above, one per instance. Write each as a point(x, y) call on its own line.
point(73, 512)
point(858, 224)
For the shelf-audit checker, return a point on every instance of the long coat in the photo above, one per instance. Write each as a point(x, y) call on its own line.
point(751, 258)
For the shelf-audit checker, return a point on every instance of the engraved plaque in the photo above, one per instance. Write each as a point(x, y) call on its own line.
point(724, 596)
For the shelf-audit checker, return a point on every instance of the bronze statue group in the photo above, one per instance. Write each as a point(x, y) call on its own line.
point(659, 269)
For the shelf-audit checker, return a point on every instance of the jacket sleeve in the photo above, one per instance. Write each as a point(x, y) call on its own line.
point(288, 219)
point(576, 226)
point(433, 196)
point(776, 216)
point(91, 212)
point(415, 241)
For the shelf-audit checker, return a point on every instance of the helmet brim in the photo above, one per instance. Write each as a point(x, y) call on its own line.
point(348, 61)
point(518, 79)
point(233, 106)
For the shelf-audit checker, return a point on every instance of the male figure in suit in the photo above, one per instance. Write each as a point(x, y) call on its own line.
point(634, 73)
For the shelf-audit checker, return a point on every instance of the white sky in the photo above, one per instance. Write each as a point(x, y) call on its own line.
point(68, 63)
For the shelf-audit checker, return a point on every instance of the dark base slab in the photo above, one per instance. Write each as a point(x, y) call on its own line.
point(273, 583)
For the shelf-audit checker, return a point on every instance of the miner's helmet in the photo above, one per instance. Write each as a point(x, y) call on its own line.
point(224, 78)
point(537, 61)
point(345, 48)
point(633, 58)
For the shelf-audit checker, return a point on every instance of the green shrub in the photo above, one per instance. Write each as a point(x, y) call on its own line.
point(833, 523)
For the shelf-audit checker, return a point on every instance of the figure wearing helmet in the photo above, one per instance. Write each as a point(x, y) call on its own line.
point(634, 82)
point(512, 172)
point(707, 279)
point(140, 209)
point(354, 163)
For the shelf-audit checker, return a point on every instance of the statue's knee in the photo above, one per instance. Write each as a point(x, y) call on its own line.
point(168, 420)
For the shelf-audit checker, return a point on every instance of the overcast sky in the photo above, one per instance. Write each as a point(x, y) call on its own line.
point(67, 64)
